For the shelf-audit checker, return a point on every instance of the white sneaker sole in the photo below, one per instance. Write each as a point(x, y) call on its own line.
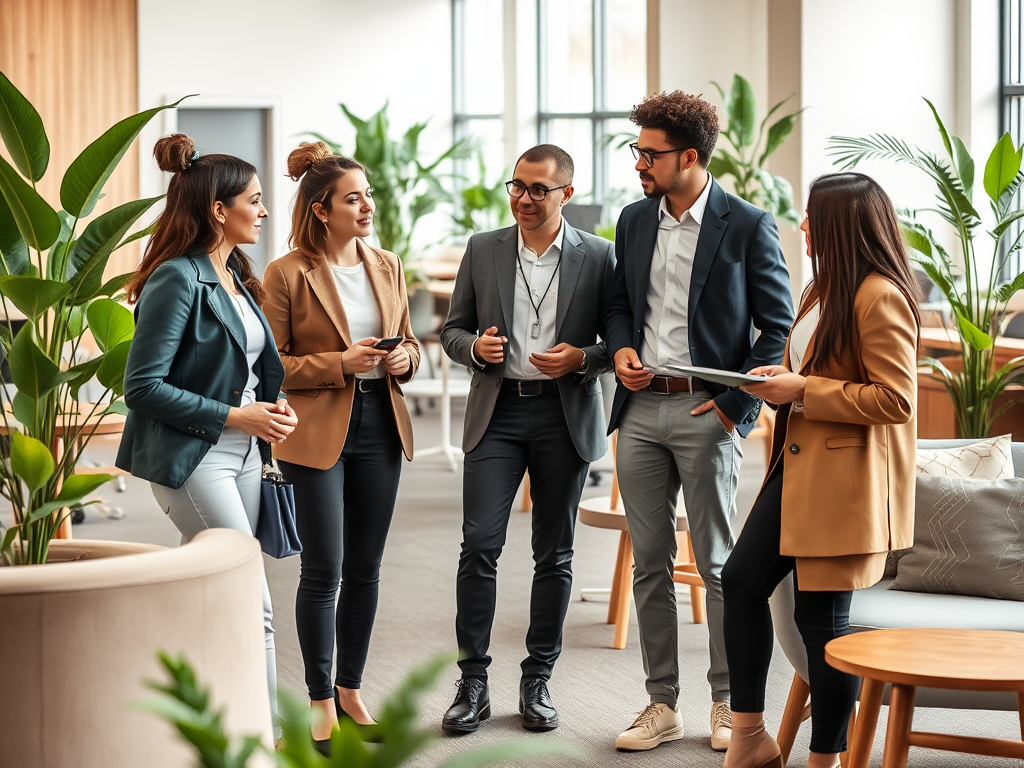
point(640, 745)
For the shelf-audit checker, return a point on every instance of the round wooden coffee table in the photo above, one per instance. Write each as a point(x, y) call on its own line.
point(966, 659)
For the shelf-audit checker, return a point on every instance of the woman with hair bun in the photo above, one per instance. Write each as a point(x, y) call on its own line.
point(331, 302)
point(203, 379)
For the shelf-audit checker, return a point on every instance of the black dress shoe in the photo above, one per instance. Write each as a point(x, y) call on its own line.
point(472, 704)
point(369, 732)
point(535, 705)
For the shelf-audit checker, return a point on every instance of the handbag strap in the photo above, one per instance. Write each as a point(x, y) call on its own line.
point(270, 469)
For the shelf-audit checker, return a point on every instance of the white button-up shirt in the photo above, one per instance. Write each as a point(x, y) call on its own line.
point(666, 333)
point(531, 282)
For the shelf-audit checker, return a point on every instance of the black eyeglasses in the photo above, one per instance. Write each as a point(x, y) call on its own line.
point(537, 193)
point(648, 155)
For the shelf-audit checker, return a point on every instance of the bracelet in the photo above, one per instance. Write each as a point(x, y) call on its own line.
point(583, 365)
point(797, 406)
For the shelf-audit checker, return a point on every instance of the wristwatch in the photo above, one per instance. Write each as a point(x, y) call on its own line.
point(583, 365)
point(797, 406)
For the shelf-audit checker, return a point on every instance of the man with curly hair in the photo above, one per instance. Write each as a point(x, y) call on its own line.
point(698, 270)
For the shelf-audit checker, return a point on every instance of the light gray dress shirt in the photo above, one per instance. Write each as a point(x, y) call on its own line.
point(666, 335)
point(529, 336)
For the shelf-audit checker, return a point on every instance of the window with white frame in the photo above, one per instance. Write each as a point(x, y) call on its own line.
point(592, 69)
point(1012, 95)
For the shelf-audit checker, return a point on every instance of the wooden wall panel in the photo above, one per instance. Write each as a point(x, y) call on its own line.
point(77, 62)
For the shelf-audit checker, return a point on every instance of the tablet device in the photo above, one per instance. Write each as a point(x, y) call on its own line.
point(717, 375)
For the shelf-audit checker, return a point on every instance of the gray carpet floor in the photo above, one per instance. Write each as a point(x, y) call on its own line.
point(597, 689)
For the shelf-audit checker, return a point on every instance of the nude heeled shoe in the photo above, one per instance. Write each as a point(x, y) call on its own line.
point(752, 747)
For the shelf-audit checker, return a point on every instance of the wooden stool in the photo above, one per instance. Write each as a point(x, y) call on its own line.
point(606, 512)
point(965, 659)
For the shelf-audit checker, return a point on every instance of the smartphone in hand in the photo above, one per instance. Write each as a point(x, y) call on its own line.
point(386, 345)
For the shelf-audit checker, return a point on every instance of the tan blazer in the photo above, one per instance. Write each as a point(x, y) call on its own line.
point(309, 324)
point(849, 473)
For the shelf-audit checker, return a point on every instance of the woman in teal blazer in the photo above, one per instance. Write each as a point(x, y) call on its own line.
point(203, 379)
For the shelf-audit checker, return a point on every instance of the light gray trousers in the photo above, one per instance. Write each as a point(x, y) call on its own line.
point(224, 492)
point(662, 448)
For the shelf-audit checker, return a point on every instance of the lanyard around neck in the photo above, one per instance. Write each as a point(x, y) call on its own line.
point(529, 294)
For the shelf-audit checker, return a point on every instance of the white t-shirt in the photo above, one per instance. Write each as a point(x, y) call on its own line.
point(361, 308)
point(255, 341)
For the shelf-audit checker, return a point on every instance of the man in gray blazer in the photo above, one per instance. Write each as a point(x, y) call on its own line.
point(529, 305)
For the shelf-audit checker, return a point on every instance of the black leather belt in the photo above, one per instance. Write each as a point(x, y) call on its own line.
point(530, 388)
point(663, 385)
point(372, 385)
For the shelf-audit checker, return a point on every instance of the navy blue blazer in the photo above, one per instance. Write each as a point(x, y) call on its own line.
point(739, 282)
point(186, 369)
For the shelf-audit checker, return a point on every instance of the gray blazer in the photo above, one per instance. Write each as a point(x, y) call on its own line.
point(484, 296)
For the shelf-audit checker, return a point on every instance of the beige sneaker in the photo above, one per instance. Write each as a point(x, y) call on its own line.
point(721, 726)
point(657, 723)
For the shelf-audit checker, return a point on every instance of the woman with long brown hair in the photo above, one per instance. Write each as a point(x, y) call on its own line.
point(203, 379)
point(839, 492)
point(340, 314)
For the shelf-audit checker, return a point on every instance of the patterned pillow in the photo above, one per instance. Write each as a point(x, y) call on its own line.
point(967, 538)
point(990, 458)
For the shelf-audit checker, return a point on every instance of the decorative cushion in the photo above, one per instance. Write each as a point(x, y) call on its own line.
point(989, 458)
point(968, 538)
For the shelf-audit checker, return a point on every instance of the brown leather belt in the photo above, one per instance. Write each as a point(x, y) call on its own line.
point(663, 385)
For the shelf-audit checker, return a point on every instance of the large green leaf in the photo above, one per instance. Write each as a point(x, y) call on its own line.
point(32, 295)
point(89, 255)
point(37, 222)
point(85, 177)
point(964, 165)
point(1002, 167)
point(32, 371)
point(14, 257)
point(24, 408)
point(724, 164)
point(972, 334)
point(75, 487)
point(742, 111)
point(1005, 291)
point(31, 461)
point(1004, 223)
point(942, 129)
point(114, 284)
point(777, 134)
point(22, 131)
point(82, 374)
point(111, 372)
point(110, 323)
point(57, 258)
point(144, 232)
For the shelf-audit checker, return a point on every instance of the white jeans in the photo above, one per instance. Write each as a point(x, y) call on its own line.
point(224, 492)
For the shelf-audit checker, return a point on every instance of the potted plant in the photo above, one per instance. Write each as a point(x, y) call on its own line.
point(482, 207)
point(187, 705)
point(52, 273)
point(974, 287)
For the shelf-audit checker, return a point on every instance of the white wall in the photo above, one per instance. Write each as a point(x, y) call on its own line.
point(703, 41)
point(305, 56)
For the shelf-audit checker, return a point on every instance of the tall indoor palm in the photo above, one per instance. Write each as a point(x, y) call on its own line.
point(975, 288)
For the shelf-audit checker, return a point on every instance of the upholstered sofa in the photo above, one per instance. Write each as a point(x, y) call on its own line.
point(882, 608)
point(78, 639)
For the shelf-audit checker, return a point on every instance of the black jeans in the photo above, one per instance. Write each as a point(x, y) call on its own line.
point(524, 432)
point(343, 515)
point(751, 574)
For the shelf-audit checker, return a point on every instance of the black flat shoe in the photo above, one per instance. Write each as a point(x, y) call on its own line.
point(472, 705)
point(535, 705)
point(368, 732)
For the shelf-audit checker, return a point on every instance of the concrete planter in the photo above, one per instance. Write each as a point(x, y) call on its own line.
point(79, 635)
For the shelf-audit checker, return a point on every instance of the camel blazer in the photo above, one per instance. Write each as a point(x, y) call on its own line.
point(311, 330)
point(849, 472)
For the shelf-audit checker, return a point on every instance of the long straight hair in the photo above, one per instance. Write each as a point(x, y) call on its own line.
point(854, 233)
point(187, 221)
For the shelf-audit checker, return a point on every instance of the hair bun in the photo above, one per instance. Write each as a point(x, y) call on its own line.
point(301, 160)
point(174, 153)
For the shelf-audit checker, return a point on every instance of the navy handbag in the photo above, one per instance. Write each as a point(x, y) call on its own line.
point(275, 528)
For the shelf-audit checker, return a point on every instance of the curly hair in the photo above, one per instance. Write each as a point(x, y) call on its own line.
point(687, 121)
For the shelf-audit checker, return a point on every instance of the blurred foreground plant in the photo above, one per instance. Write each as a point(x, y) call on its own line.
point(188, 706)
